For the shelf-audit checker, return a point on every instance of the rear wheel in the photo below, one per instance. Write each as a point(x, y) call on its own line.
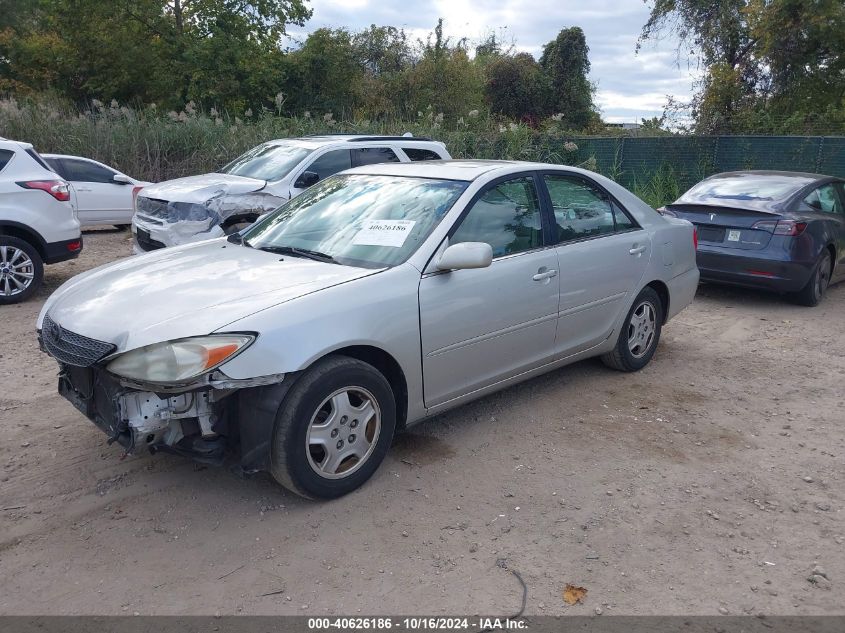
point(639, 335)
point(813, 292)
point(333, 428)
point(21, 270)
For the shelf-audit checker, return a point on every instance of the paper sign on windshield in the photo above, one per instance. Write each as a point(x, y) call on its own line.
point(384, 233)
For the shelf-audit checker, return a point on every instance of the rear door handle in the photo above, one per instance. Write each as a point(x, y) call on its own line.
point(547, 274)
point(637, 250)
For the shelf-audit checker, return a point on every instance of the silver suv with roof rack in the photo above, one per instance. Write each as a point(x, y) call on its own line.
point(210, 205)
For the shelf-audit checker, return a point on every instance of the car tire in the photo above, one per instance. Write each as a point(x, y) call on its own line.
point(639, 335)
point(21, 263)
point(813, 291)
point(316, 426)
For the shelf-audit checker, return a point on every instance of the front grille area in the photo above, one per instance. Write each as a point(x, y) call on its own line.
point(71, 348)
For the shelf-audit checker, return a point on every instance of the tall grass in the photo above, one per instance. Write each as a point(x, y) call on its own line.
point(152, 145)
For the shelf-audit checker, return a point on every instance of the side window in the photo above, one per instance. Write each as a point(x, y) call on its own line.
point(5, 157)
point(83, 171)
point(331, 163)
point(580, 210)
point(825, 199)
point(415, 154)
point(372, 155)
point(506, 216)
point(623, 221)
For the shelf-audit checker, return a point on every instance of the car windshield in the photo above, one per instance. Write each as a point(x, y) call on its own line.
point(357, 220)
point(744, 187)
point(270, 161)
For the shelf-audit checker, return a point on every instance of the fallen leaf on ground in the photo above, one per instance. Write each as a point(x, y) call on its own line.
point(573, 594)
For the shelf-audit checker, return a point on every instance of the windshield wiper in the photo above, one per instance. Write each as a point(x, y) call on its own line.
point(299, 252)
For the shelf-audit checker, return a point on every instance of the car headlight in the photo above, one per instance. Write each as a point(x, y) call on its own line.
point(180, 360)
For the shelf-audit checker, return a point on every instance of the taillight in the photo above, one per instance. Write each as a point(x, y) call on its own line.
point(59, 189)
point(695, 237)
point(135, 191)
point(781, 227)
point(74, 246)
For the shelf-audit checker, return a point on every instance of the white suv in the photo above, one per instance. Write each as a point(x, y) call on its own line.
point(207, 206)
point(38, 224)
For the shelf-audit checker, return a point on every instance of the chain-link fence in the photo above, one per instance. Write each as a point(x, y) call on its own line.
point(634, 160)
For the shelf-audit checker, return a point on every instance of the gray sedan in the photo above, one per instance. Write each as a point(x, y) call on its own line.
point(377, 298)
point(777, 230)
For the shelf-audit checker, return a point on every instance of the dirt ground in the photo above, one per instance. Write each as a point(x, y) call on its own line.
point(710, 482)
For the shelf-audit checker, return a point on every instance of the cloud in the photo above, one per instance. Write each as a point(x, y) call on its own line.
point(629, 86)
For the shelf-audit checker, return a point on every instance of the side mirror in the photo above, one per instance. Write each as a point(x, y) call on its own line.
point(466, 255)
point(121, 179)
point(306, 179)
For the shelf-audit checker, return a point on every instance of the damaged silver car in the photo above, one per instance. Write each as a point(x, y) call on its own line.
point(211, 205)
point(377, 298)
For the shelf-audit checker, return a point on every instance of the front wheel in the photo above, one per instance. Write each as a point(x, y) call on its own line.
point(21, 270)
point(813, 292)
point(640, 334)
point(333, 429)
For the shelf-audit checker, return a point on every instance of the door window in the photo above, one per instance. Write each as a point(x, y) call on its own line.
point(506, 216)
point(330, 163)
point(825, 199)
point(583, 211)
point(83, 171)
point(372, 155)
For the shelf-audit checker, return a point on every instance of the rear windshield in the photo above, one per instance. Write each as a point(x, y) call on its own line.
point(270, 161)
point(744, 187)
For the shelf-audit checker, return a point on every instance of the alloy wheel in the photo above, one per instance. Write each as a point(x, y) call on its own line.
point(17, 271)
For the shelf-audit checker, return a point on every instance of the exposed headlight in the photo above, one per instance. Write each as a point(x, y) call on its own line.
point(181, 360)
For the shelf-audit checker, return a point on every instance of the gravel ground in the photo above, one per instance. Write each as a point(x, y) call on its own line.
point(710, 482)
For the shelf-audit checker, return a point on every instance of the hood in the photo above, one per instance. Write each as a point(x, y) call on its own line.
point(198, 189)
point(184, 291)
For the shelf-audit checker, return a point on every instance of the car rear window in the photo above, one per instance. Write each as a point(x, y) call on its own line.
point(415, 154)
point(5, 157)
point(744, 187)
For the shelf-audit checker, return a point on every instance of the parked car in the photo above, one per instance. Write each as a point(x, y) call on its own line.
point(782, 231)
point(102, 194)
point(207, 206)
point(38, 224)
point(375, 299)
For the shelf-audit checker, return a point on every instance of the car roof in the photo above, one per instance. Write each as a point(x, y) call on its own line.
point(801, 176)
point(466, 170)
point(319, 140)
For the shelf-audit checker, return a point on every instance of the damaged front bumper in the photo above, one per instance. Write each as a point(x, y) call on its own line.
point(202, 421)
point(161, 223)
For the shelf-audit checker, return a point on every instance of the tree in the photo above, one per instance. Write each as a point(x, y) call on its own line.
point(517, 87)
point(167, 51)
point(763, 60)
point(566, 62)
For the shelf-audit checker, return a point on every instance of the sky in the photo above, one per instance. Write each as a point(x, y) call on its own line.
point(629, 86)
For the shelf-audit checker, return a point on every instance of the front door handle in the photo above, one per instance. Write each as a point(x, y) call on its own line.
point(544, 274)
point(636, 250)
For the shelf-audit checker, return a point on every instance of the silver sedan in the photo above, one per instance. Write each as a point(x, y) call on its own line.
point(379, 297)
